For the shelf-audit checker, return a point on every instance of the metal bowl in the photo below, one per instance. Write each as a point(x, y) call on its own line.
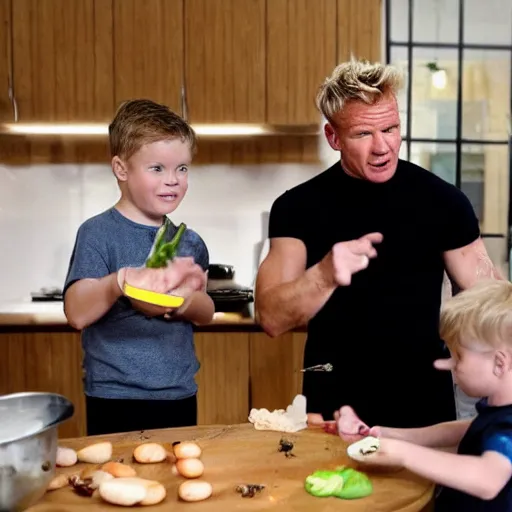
point(28, 446)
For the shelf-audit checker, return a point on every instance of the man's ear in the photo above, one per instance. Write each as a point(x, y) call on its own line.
point(332, 136)
point(119, 169)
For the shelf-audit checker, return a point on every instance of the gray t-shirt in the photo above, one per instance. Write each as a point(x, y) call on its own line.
point(127, 355)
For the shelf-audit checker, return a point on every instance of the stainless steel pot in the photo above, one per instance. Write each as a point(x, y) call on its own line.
point(28, 446)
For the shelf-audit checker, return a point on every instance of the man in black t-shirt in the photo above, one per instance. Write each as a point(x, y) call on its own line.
point(358, 253)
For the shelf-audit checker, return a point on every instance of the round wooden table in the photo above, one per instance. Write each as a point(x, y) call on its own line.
point(238, 454)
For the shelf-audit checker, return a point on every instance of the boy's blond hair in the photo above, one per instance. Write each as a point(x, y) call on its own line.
point(139, 122)
point(356, 80)
point(481, 314)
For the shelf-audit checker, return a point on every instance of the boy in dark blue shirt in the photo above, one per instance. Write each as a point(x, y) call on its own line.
point(139, 359)
point(477, 327)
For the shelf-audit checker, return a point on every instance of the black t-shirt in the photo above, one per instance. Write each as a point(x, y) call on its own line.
point(491, 430)
point(381, 332)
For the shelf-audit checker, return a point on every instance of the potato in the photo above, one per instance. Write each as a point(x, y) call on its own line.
point(190, 468)
point(58, 482)
point(118, 469)
point(98, 477)
point(97, 453)
point(187, 450)
point(149, 453)
point(119, 492)
point(195, 490)
point(127, 491)
point(66, 457)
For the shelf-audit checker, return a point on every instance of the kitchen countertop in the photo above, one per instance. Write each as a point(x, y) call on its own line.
point(240, 454)
point(45, 315)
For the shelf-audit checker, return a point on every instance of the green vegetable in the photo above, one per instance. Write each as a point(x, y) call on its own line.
point(165, 250)
point(324, 483)
point(357, 484)
point(345, 483)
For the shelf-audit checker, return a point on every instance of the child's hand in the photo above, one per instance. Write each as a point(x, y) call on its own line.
point(350, 426)
point(182, 277)
point(390, 454)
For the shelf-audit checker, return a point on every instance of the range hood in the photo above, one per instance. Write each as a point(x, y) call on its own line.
point(202, 130)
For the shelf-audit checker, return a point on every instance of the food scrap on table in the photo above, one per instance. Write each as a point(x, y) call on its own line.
point(293, 419)
point(344, 483)
point(286, 447)
point(249, 490)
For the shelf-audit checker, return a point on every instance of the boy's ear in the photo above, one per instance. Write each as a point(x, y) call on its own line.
point(502, 362)
point(119, 169)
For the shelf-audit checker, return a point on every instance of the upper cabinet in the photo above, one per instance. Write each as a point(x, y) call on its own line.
point(359, 29)
point(148, 50)
point(216, 61)
point(62, 59)
point(225, 60)
point(301, 51)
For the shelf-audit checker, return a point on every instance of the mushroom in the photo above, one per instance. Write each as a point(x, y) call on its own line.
point(132, 491)
point(195, 490)
point(186, 450)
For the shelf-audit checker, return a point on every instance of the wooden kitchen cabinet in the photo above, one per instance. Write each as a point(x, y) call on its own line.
point(223, 380)
point(45, 361)
point(301, 52)
point(225, 60)
point(6, 110)
point(359, 29)
point(62, 60)
point(275, 369)
point(148, 51)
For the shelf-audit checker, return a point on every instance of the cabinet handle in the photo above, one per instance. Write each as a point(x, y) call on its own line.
point(14, 103)
point(184, 107)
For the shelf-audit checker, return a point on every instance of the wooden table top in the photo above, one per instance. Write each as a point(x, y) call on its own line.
point(238, 454)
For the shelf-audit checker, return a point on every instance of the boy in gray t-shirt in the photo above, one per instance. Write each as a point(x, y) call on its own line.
point(139, 359)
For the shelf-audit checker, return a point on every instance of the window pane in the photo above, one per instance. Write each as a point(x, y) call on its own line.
point(440, 158)
point(399, 20)
point(488, 21)
point(436, 21)
point(399, 59)
point(485, 180)
point(434, 93)
point(486, 94)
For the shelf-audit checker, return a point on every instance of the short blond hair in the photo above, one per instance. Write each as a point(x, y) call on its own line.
point(141, 121)
point(482, 314)
point(357, 80)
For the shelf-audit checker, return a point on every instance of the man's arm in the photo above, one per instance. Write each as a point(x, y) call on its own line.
point(481, 476)
point(87, 300)
point(470, 264)
point(286, 294)
point(198, 309)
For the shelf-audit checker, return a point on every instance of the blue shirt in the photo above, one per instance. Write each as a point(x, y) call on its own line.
point(491, 430)
point(127, 355)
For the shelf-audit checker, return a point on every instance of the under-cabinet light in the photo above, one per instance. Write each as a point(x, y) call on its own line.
point(208, 130)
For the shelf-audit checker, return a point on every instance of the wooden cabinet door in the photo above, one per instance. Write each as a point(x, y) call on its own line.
point(6, 108)
point(301, 52)
point(62, 60)
point(225, 60)
point(276, 365)
point(359, 29)
point(148, 51)
point(223, 380)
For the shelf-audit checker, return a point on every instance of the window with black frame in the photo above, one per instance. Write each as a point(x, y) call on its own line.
point(455, 107)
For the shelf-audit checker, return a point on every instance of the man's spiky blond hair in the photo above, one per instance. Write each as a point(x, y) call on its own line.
point(357, 80)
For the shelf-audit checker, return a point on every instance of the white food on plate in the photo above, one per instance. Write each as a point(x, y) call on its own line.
point(293, 419)
point(361, 449)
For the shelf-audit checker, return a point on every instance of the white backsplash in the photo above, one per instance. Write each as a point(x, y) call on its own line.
point(42, 206)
